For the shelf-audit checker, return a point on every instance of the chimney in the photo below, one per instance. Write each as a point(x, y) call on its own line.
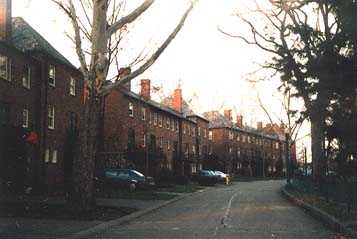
point(123, 72)
point(268, 127)
point(227, 114)
point(240, 120)
point(178, 100)
point(5, 20)
point(259, 126)
point(145, 88)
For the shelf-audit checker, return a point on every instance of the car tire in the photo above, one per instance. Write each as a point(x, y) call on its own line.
point(132, 187)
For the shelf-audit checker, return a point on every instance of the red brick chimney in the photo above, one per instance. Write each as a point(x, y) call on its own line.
point(5, 19)
point(122, 73)
point(227, 114)
point(259, 126)
point(240, 120)
point(145, 88)
point(178, 100)
point(268, 127)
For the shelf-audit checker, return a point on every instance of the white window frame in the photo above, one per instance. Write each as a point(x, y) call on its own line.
point(25, 118)
point(161, 142)
point(7, 64)
point(193, 132)
point(143, 113)
point(155, 118)
point(54, 156)
point(210, 135)
point(177, 126)
point(199, 131)
point(52, 76)
point(26, 78)
point(205, 133)
point(160, 121)
point(168, 145)
point(47, 155)
point(51, 117)
point(150, 117)
point(184, 128)
point(131, 109)
point(168, 123)
point(72, 86)
point(230, 134)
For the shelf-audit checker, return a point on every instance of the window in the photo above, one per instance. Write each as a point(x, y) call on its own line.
point(4, 113)
point(51, 117)
point(26, 77)
point(210, 134)
point(193, 132)
point(143, 113)
point(199, 131)
point(47, 155)
point(131, 109)
point(177, 126)
point(184, 128)
point(205, 133)
point(168, 145)
point(160, 120)
point(188, 130)
point(168, 123)
point(72, 86)
point(277, 145)
point(150, 118)
point(131, 139)
point(51, 75)
point(72, 120)
point(143, 140)
point(193, 150)
point(230, 134)
point(25, 118)
point(155, 118)
point(186, 150)
point(161, 142)
point(172, 125)
point(54, 156)
point(5, 68)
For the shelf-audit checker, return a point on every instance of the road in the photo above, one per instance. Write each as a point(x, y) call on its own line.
point(250, 210)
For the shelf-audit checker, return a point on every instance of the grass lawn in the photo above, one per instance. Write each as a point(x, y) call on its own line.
point(176, 188)
point(337, 210)
point(137, 195)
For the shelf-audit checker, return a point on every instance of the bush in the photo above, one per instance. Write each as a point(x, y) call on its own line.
point(165, 175)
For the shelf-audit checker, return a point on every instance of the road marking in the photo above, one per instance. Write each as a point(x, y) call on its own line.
point(225, 217)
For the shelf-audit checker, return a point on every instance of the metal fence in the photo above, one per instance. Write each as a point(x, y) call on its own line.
point(340, 190)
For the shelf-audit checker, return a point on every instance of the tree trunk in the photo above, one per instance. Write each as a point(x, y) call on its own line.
point(81, 197)
point(317, 138)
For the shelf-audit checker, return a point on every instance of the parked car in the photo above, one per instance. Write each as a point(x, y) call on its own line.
point(206, 177)
point(221, 176)
point(126, 178)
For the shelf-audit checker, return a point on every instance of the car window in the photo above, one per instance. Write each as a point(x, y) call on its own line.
point(110, 173)
point(123, 173)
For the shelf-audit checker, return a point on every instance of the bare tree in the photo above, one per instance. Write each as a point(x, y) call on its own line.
point(306, 46)
point(100, 27)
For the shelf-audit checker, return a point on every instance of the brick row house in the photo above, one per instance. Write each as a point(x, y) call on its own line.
point(240, 149)
point(41, 97)
point(149, 136)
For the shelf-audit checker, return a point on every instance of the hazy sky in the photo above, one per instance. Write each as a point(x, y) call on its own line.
point(210, 66)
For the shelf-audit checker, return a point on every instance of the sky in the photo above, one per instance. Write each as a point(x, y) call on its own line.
point(210, 67)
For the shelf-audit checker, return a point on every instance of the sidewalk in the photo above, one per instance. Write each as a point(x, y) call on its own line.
point(25, 228)
point(326, 218)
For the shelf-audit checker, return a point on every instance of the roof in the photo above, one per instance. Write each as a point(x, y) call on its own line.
point(27, 39)
point(218, 121)
point(152, 103)
point(186, 110)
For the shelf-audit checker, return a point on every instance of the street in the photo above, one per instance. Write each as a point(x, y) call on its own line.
point(248, 210)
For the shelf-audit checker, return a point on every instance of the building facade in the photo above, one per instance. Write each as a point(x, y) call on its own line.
point(41, 98)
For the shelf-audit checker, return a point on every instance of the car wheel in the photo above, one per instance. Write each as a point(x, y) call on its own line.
point(132, 187)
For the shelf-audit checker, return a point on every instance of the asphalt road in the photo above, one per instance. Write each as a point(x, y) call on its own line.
point(250, 210)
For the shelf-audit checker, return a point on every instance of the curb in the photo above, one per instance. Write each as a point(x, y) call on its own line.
point(326, 218)
point(121, 220)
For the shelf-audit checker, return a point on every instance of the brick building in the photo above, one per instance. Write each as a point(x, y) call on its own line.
point(41, 97)
point(240, 149)
point(147, 135)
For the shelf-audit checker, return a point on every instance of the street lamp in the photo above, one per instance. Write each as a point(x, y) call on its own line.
point(287, 155)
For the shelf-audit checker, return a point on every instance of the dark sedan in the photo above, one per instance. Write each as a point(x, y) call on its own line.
point(127, 179)
point(206, 177)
